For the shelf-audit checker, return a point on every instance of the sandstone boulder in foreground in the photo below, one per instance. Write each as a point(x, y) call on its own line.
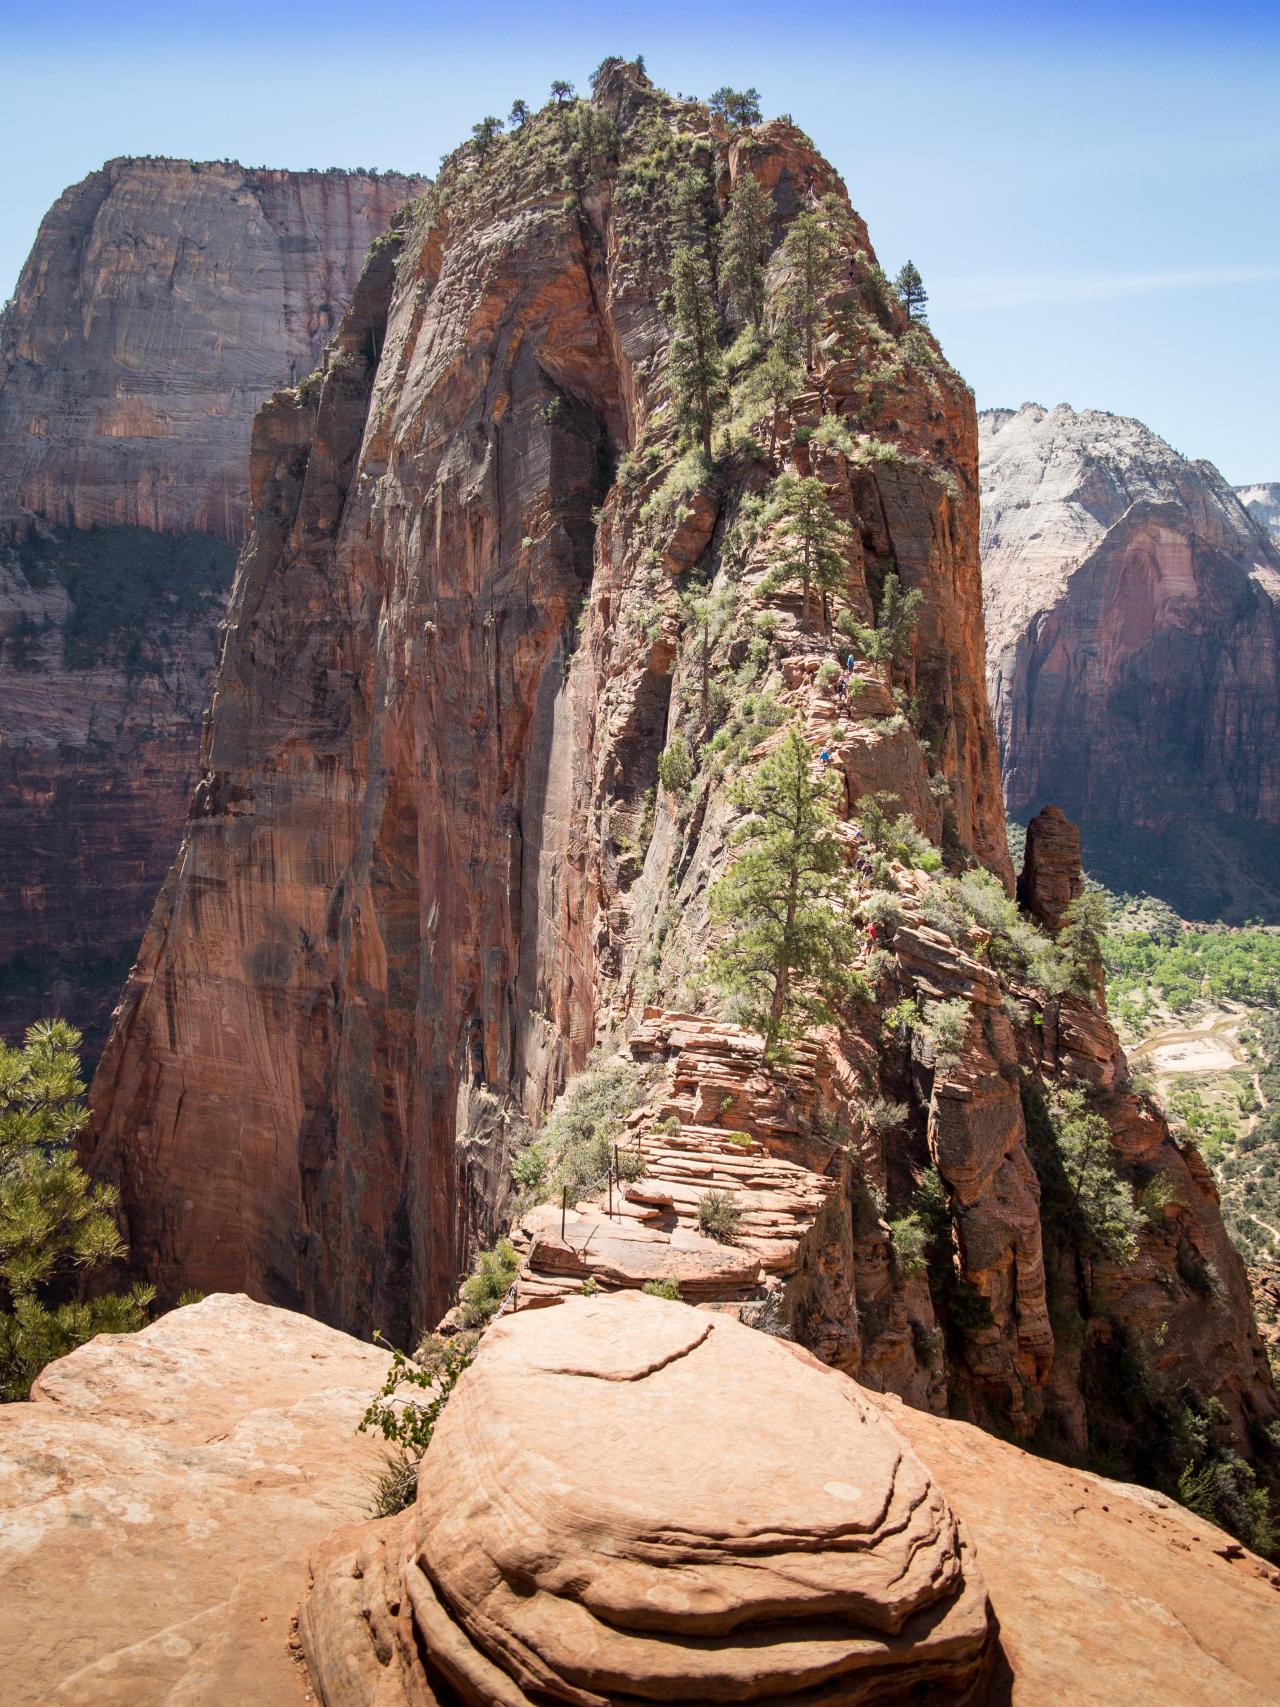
point(158, 1499)
point(628, 1499)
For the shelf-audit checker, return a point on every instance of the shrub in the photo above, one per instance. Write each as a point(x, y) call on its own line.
point(718, 1216)
point(910, 1242)
point(395, 1486)
point(833, 434)
point(482, 1292)
point(590, 1287)
point(407, 1425)
point(675, 765)
point(828, 674)
point(945, 1027)
point(584, 1127)
point(662, 1289)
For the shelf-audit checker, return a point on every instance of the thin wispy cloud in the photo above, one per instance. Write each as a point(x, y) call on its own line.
point(1023, 290)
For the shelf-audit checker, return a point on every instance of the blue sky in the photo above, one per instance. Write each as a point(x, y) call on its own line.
point(1092, 193)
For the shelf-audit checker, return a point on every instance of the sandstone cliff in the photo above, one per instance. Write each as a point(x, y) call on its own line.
point(1133, 628)
point(162, 303)
point(159, 1497)
point(431, 861)
point(1263, 504)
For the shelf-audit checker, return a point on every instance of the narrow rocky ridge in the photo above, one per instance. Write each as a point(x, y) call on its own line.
point(431, 863)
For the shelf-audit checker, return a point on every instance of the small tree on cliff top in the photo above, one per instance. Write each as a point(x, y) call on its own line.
point(814, 541)
point(55, 1226)
point(911, 292)
point(739, 108)
point(788, 949)
point(693, 361)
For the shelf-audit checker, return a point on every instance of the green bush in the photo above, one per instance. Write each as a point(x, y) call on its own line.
point(910, 1243)
point(662, 1289)
point(718, 1216)
point(675, 765)
point(56, 1226)
point(407, 1425)
point(491, 1278)
point(945, 1027)
point(580, 1134)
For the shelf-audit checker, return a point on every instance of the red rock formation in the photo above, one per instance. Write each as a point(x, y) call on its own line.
point(1133, 623)
point(430, 864)
point(179, 1477)
point(162, 303)
point(598, 1520)
point(1051, 877)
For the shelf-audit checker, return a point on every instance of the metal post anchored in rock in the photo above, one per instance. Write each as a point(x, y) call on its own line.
point(564, 1206)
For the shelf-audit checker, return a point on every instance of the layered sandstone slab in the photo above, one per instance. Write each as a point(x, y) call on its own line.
point(1263, 503)
point(630, 1499)
point(158, 1499)
point(1133, 649)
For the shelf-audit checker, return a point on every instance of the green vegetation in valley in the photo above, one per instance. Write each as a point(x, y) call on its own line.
point(58, 1235)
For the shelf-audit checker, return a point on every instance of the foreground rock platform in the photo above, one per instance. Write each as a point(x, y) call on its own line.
point(1106, 1593)
point(628, 1499)
point(158, 1499)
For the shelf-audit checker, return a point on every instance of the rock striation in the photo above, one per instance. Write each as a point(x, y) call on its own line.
point(178, 1478)
point(597, 1520)
point(434, 863)
point(1133, 641)
point(1263, 503)
point(403, 904)
point(164, 300)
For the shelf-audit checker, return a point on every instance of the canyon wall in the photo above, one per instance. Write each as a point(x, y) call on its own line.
point(1262, 501)
point(162, 303)
point(432, 862)
point(1133, 625)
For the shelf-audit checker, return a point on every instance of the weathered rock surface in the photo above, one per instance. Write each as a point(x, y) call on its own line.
point(1263, 503)
point(627, 1499)
point(159, 1497)
point(403, 905)
point(162, 303)
point(1051, 877)
point(1104, 1592)
point(1133, 653)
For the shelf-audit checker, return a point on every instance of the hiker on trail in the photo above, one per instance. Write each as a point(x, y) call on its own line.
point(825, 756)
point(848, 663)
point(842, 686)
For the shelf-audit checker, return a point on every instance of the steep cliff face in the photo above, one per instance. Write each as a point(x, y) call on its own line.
point(431, 860)
point(162, 303)
point(1263, 503)
point(1133, 623)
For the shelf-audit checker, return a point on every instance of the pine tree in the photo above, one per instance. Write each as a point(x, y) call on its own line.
point(811, 254)
point(746, 236)
point(888, 640)
point(739, 108)
point(775, 382)
point(710, 615)
point(911, 292)
point(814, 541)
point(789, 946)
point(561, 91)
point(518, 118)
point(55, 1225)
point(693, 361)
point(485, 133)
point(689, 225)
